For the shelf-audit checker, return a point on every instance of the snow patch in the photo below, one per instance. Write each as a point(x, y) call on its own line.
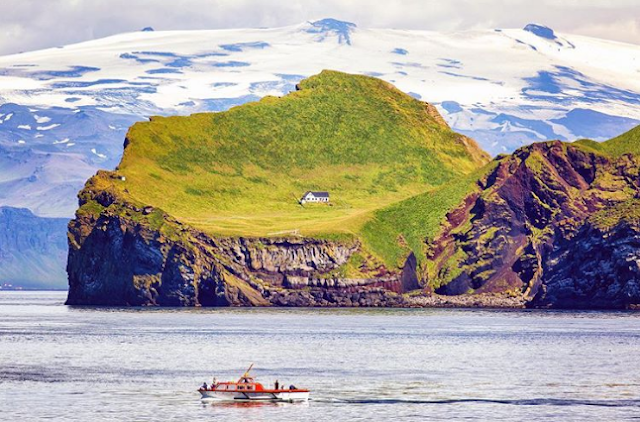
point(54, 125)
point(93, 150)
point(41, 119)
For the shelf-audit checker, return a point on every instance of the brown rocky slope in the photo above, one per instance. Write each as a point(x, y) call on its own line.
point(554, 223)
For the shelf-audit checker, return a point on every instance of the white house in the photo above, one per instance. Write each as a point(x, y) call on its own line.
point(318, 196)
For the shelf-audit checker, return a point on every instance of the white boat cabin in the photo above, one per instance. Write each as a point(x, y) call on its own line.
point(314, 196)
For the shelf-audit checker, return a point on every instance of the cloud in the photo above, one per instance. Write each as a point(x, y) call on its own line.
point(33, 24)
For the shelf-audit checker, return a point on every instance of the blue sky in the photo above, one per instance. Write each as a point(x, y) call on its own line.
point(33, 24)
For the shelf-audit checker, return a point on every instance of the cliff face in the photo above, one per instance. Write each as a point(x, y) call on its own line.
point(531, 228)
point(117, 257)
point(598, 268)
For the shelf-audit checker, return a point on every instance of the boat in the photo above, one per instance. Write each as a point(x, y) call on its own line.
point(247, 389)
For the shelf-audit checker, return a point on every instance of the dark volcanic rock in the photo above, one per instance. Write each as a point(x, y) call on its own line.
point(596, 269)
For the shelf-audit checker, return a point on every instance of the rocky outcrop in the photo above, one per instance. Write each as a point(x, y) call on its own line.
point(527, 230)
point(118, 257)
point(598, 268)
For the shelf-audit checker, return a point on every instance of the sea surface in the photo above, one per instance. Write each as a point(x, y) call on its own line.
point(143, 364)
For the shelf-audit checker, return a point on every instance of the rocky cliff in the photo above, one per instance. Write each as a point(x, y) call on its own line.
point(120, 254)
point(599, 267)
point(552, 223)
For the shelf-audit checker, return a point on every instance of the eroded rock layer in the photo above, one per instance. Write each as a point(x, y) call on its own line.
point(117, 257)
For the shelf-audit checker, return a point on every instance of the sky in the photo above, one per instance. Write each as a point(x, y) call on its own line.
point(27, 25)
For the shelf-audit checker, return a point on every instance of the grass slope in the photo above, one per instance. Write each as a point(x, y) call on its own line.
point(627, 143)
point(403, 227)
point(240, 172)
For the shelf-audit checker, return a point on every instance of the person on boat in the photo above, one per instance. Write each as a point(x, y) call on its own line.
point(215, 382)
point(204, 385)
point(277, 384)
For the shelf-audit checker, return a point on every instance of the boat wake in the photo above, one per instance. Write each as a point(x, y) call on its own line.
point(521, 402)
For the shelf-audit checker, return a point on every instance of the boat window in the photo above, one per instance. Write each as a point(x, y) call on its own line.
point(240, 387)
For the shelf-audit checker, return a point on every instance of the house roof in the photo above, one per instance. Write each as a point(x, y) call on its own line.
point(317, 194)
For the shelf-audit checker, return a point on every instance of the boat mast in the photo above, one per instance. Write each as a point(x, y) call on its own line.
point(246, 373)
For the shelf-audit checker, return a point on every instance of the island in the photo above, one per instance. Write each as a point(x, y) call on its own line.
point(205, 210)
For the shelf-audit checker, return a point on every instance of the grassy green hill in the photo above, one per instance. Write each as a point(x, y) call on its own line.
point(240, 172)
point(627, 143)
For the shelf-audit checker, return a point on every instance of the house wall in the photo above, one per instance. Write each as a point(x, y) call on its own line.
point(311, 198)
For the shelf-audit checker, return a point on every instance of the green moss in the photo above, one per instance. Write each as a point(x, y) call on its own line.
point(451, 269)
point(356, 266)
point(91, 207)
point(628, 211)
point(589, 145)
point(536, 162)
point(488, 235)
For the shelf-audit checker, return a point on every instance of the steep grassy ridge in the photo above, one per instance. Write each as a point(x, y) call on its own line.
point(240, 172)
point(403, 227)
point(627, 143)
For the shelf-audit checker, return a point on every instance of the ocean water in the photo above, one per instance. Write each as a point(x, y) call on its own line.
point(94, 364)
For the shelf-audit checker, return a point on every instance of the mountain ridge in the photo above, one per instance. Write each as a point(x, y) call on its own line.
point(31, 251)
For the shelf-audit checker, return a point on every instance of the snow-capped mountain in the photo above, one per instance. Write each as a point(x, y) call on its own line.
point(66, 110)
